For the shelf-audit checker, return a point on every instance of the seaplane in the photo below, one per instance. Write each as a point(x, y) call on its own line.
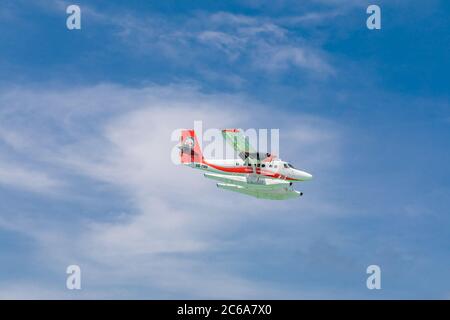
point(258, 174)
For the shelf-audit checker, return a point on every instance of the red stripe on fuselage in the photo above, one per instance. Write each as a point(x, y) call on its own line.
point(231, 169)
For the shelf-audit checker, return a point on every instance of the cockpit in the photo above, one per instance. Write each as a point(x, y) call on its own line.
point(288, 165)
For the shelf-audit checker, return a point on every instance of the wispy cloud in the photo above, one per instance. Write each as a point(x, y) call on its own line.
point(17, 176)
point(174, 218)
point(240, 41)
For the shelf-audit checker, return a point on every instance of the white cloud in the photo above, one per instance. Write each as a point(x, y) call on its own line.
point(175, 218)
point(240, 41)
point(282, 58)
point(273, 48)
point(18, 176)
point(27, 291)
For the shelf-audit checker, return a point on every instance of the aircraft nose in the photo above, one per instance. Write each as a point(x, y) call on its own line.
point(304, 175)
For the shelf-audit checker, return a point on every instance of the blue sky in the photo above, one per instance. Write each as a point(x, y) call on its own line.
point(85, 171)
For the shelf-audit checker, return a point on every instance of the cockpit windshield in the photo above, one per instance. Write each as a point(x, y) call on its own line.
point(288, 165)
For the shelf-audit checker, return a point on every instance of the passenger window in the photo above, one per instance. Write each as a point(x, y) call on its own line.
point(263, 166)
point(258, 165)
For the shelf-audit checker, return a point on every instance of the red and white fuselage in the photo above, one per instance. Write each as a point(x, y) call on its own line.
point(275, 169)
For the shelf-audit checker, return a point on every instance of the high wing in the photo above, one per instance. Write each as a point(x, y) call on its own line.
point(259, 187)
point(242, 146)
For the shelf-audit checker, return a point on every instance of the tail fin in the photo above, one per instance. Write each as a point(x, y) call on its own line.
point(190, 148)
